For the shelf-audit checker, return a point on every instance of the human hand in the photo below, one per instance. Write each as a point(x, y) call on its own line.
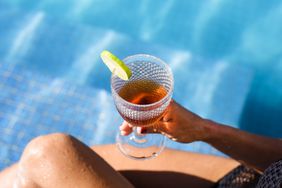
point(178, 124)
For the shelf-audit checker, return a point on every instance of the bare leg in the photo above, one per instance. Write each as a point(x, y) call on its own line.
point(8, 176)
point(171, 168)
point(59, 160)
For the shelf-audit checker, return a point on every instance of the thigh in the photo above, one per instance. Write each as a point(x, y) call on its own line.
point(170, 168)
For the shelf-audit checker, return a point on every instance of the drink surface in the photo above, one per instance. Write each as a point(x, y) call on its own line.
point(142, 92)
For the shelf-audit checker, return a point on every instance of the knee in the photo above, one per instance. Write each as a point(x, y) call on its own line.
point(40, 157)
point(43, 147)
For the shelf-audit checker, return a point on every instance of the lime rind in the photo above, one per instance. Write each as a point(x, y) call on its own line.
point(116, 66)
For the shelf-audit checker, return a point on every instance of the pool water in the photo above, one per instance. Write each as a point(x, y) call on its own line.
point(226, 57)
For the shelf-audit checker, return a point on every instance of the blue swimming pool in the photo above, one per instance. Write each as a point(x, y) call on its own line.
point(226, 57)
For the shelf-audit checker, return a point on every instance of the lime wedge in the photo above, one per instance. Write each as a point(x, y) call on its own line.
point(117, 66)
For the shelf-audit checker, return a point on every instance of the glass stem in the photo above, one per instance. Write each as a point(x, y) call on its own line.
point(137, 137)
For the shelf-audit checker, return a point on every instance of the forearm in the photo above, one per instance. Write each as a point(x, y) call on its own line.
point(254, 150)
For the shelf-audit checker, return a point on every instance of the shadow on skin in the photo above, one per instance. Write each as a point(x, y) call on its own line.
point(164, 179)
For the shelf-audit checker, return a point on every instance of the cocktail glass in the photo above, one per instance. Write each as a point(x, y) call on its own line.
point(142, 101)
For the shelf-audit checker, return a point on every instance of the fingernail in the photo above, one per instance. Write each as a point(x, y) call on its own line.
point(139, 130)
point(143, 130)
point(123, 133)
point(122, 127)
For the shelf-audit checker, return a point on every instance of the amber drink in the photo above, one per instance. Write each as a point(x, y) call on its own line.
point(142, 92)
